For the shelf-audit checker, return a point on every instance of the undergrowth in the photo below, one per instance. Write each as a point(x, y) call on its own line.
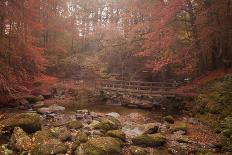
point(214, 108)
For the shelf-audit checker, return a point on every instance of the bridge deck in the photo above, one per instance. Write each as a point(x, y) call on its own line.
point(137, 87)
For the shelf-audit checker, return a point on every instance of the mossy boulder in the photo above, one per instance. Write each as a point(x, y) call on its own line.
point(227, 132)
point(117, 134)
point(106, 124)
point(74, 125)
point(169, 119)
point(41, 137)
point(29, 122)
point(150, 128)
point(101, 146)
point(52, 146)
point(153, 140)
point(81, 137)
point(33, 99)
point(180, 126)
point(20, 141)
point(134, 150)
point(61, 133)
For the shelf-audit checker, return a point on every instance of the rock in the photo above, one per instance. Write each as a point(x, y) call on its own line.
point(41, 137)
point(44, 111)
point(106, 124)
point(81, 137)
point(181, 126)
point(40, 97)
point(29, 122)
point(113, 114)
point(61, 133)
point(20, 141)
point(101, 146)
point(169, 119)
point(227, 132)
point(39, 104)
point(182, 140)
point(4, 150)
point(152, 140)
point(51, 109)
point(84, 111)
point(32, 99)
point(74, 125)
point(97, 133)
point(52, 146)
point(116, 121)
point(117, 134)
point(150, 128)
point(137, 130)
point(93, 124)
point(94, 115)
point(134, 150)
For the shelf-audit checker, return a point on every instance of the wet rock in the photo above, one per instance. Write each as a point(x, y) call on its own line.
point(101, 146)
point(117, 134)
point(94, 115)
point(93, 124)
point(181, 126)
point(74, 125)
point(39, 104)
point(84, 111)
point(137, 130)
point(153, 140)
point(150, 128)
point(182, 140)
point(40, 97)
point(113, 114)
point(81, 137)
point(52, 146)
point(80, 116)
point(33, 99)
point(106, 124)
point(97, 133)
point(169, 119)
point(20, 141)
point(134, 150)
point(29, 122)
point(51, 109)
point(61, 133)
point(41, 137)
point(4, 150)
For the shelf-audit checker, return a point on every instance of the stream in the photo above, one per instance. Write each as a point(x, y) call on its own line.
point(133, 122)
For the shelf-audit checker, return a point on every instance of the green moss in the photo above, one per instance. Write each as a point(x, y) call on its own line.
point(20, 141)
point(169, 119)
point(29, 122)
point(180, 126)
point(41, 137)
point(117, 134)
point(52, 146)
point(152, 140)
point(61, 133)
point(102, 146)
point(74, 125)
point(81, 137)
point(106, 124)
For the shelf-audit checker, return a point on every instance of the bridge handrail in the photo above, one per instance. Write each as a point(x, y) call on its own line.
point(136, 82)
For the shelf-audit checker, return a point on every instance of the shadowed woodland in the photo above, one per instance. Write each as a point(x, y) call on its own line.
point(102, 77)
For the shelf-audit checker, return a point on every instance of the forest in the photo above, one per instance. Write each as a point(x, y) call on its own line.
point(115, 77)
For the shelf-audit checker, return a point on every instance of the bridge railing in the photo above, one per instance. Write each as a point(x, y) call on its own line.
point(152, 88)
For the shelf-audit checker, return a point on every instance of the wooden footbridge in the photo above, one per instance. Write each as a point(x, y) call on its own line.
point(137, 87)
